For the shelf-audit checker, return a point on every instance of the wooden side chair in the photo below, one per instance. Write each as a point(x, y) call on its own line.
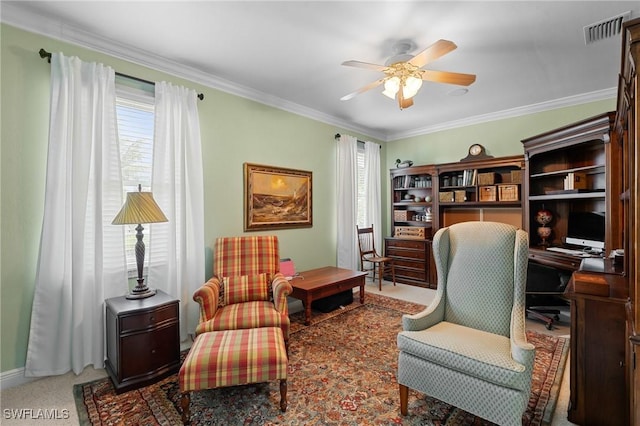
point(368, 254)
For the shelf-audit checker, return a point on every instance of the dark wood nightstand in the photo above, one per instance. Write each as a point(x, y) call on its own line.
point(143, 340)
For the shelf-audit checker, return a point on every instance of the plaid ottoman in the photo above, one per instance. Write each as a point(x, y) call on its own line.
point(234, 357)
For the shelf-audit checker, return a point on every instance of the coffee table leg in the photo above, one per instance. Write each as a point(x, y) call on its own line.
point(307, 311)
point(362, 292)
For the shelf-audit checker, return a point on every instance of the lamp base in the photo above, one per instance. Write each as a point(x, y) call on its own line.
point(141, 293)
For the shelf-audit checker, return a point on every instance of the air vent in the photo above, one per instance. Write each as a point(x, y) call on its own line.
point(605, 29)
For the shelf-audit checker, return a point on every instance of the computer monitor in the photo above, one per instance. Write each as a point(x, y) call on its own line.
point(586, 229)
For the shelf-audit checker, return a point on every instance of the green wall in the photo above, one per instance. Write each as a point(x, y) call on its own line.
point(234, 131)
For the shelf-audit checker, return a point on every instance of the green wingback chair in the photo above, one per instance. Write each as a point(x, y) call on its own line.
point(468, 348)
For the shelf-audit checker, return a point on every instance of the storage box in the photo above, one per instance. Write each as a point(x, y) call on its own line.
point(414, 232)
point(516, 176)
point(508, 193)
point(446, 197)
point(487, 178)
point(487, 193)
point(460, 196)
point(401, 215)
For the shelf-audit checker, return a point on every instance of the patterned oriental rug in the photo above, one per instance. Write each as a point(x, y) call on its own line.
point(341, 372)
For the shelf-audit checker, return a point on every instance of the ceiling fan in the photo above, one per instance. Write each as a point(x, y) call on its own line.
point(404, 73)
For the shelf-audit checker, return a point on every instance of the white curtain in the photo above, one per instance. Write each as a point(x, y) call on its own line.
point(373, 213)
point(176, 254)
point(83, 193)
point(347, 181)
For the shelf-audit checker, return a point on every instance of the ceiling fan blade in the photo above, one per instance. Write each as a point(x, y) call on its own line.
point(362, 89)
point(448, 77)
point(433, 52)
point(359, 64)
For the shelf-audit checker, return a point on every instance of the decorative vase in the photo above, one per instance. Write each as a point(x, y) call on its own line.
point(544, 233)
point(544, 217)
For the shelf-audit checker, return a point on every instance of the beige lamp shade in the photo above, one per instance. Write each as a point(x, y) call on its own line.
point(140, 207)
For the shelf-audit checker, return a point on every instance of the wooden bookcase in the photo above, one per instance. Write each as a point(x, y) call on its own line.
point(600, 358)
point(628, 173)
point(423, 199)
point(581, 149)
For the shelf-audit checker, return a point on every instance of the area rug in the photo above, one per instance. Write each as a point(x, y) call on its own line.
point(341, 372)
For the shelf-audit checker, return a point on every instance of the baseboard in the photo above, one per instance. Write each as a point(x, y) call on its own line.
point(16, 377)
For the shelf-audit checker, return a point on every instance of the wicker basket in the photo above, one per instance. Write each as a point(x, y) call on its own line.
point(487, 193)
point(446, 197)
point(401, 215)
point(516, 176)
point(460, 196)
point(508, 193)
point(411, 232)
point(487, 178)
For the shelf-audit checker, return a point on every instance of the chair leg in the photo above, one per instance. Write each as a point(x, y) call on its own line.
point(404, 397)
point(380, 273)
point(283, 395)
point(184, 404)
point(393, 273)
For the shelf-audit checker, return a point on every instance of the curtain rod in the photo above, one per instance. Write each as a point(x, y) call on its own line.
point(44, 54)
point(337, 136)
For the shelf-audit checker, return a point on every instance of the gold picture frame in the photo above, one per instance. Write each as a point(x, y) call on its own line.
point(276, 198)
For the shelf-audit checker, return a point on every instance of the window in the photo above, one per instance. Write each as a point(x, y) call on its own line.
point(135, 116)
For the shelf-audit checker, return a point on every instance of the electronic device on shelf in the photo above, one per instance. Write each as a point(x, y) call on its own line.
point(570, 252)
point(586, 229)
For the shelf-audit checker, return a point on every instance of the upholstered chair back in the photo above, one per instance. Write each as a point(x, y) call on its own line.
point(476, 270)
point(246, 256)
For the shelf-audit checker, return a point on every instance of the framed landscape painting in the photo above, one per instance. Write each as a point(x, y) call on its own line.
point(276, 197)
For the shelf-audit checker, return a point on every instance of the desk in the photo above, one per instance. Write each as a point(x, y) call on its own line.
point(322, 282)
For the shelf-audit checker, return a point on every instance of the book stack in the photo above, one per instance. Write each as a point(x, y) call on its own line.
point(575, 181)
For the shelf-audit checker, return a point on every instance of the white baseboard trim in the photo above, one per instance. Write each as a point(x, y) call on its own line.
point(16, 377)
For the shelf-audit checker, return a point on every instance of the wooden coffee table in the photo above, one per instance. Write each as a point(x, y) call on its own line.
point(322, 282)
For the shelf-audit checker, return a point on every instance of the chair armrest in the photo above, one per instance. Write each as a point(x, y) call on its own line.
point(207, 297)
point(281, 289)
point(521, 350)
point(433, 314)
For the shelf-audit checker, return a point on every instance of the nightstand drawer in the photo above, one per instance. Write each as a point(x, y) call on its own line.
point(146, 320)
point(150, 351)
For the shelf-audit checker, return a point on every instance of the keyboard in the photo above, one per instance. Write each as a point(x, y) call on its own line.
point(568, 251)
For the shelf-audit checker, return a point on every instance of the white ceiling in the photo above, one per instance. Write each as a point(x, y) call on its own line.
point(527, 56)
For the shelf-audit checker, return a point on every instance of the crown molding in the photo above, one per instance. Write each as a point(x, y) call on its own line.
point(598, 95)
point(29, 21)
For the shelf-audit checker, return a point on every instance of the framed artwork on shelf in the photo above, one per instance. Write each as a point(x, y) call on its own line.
point(276, 198)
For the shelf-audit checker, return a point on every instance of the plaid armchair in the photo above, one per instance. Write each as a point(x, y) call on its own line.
point(469, 347)
point(247, 289)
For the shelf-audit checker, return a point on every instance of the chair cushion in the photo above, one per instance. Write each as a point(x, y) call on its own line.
point(245, 288)
point(472, 352)
point(246, 315)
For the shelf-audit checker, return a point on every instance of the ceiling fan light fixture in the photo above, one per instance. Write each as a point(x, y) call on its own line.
point(391, 87)
point(411, 87)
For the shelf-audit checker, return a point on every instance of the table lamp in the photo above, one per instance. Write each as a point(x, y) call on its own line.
point(139, 208)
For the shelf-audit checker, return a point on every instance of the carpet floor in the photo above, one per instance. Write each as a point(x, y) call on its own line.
point(341, 372)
